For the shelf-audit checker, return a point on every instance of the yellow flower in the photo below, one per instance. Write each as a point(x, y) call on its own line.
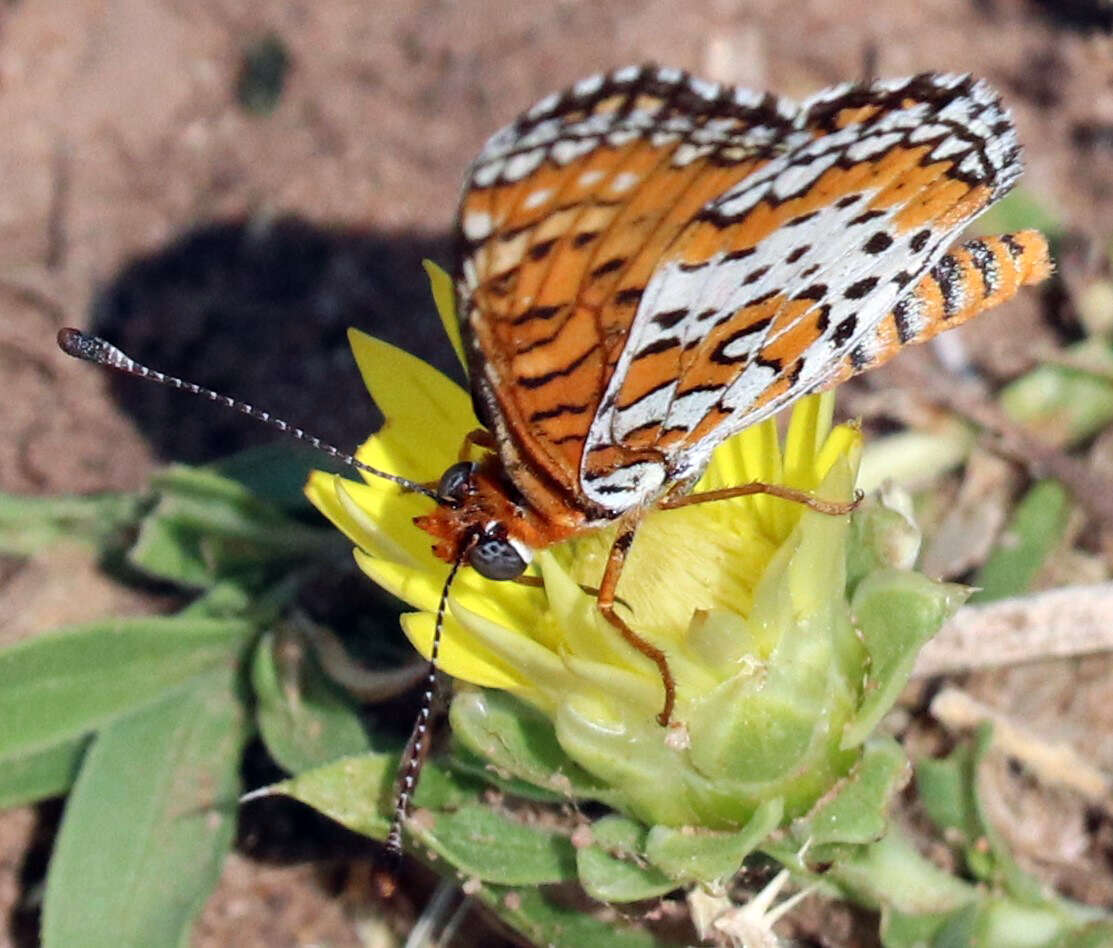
point(747, 597)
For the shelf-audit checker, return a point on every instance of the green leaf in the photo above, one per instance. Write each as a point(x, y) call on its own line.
point(31, 524)
point(889, 872)
point(899, 930)
point(304, 718)
point(1037, 527)
point(614, 868)
point(880, 537)
point(857, 810)
point(1004, 921)
point(359, 791)
point(485, 844)
point(549, 922)
point(1092, 935)
point(519, 739)
point(28, 778)
point(62, 685)
point(447, 819)
point(949, 789)
point(205, 527)
point(895, 612)
point(1061, 404)
point(464, 761)
point(276, 473)
point(946, 789)
point(703, 856)
point(149, 821)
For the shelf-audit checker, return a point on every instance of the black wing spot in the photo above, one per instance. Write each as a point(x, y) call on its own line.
point(584, 237)
point(865, 217)
point(877, 243)
point(755, 275)
point(537, 312)
point(664, 344)
point(670, 318)
point(615, 263)
point(692, 267)
point(502, 283)
point(541, 251)
point(823, 319)
point(539, 381)
point(801, 219)
point(814, 292)
point(844, 331)
point(844, 202)
point(797, 253)
point(630, 296)
point(740, 254)
point(859, 357)
point(719, 355)
point(919, 240)
point(859, 289)
point(558, 410)
point(758, 300)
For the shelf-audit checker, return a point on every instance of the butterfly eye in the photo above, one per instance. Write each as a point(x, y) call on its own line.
point(496, 557)
point(456, 482)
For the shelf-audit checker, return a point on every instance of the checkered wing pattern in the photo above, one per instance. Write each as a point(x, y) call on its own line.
point(652, 263)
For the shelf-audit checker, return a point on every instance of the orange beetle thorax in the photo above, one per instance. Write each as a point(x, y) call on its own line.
point(491, 502)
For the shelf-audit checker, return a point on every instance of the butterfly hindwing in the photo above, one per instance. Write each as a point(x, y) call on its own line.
point(776, 280)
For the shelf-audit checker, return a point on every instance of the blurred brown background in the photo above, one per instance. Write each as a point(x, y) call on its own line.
point(223, 186)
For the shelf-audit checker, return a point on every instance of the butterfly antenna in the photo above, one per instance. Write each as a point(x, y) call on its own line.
point(417, 747)
point(93, 349)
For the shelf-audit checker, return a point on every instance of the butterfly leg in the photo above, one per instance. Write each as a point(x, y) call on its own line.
point(970, 278)
point(833, 507)
point(480, 438)
point(606, 602)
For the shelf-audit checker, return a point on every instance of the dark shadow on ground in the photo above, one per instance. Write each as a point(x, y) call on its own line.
point(259, 310)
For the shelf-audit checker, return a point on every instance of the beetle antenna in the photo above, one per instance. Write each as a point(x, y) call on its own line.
point(417, 747)
point(93, 349)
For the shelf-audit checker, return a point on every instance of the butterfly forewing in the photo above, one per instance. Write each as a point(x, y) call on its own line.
point(652, 263)
point(566, 217)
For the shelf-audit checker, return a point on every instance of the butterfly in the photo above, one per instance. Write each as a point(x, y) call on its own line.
point(648, 263)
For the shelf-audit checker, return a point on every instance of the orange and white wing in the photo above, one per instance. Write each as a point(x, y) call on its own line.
point(566, 216)
point(779, 280)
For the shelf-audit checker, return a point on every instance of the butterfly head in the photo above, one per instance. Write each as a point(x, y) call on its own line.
point(476, 514)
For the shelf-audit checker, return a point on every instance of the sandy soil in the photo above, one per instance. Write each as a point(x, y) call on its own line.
point(233, 248)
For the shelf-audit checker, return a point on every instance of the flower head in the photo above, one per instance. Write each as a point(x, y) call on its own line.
point(747, 598)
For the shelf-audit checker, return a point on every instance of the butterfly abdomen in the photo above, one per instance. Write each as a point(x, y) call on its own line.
point(973, 277)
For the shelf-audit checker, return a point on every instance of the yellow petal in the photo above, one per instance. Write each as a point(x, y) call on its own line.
point(845, 440)
point(326, 492)
point(802, 441)
point(427, 413)
point(461, 655)
point(392, 514)
point(444, 296)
